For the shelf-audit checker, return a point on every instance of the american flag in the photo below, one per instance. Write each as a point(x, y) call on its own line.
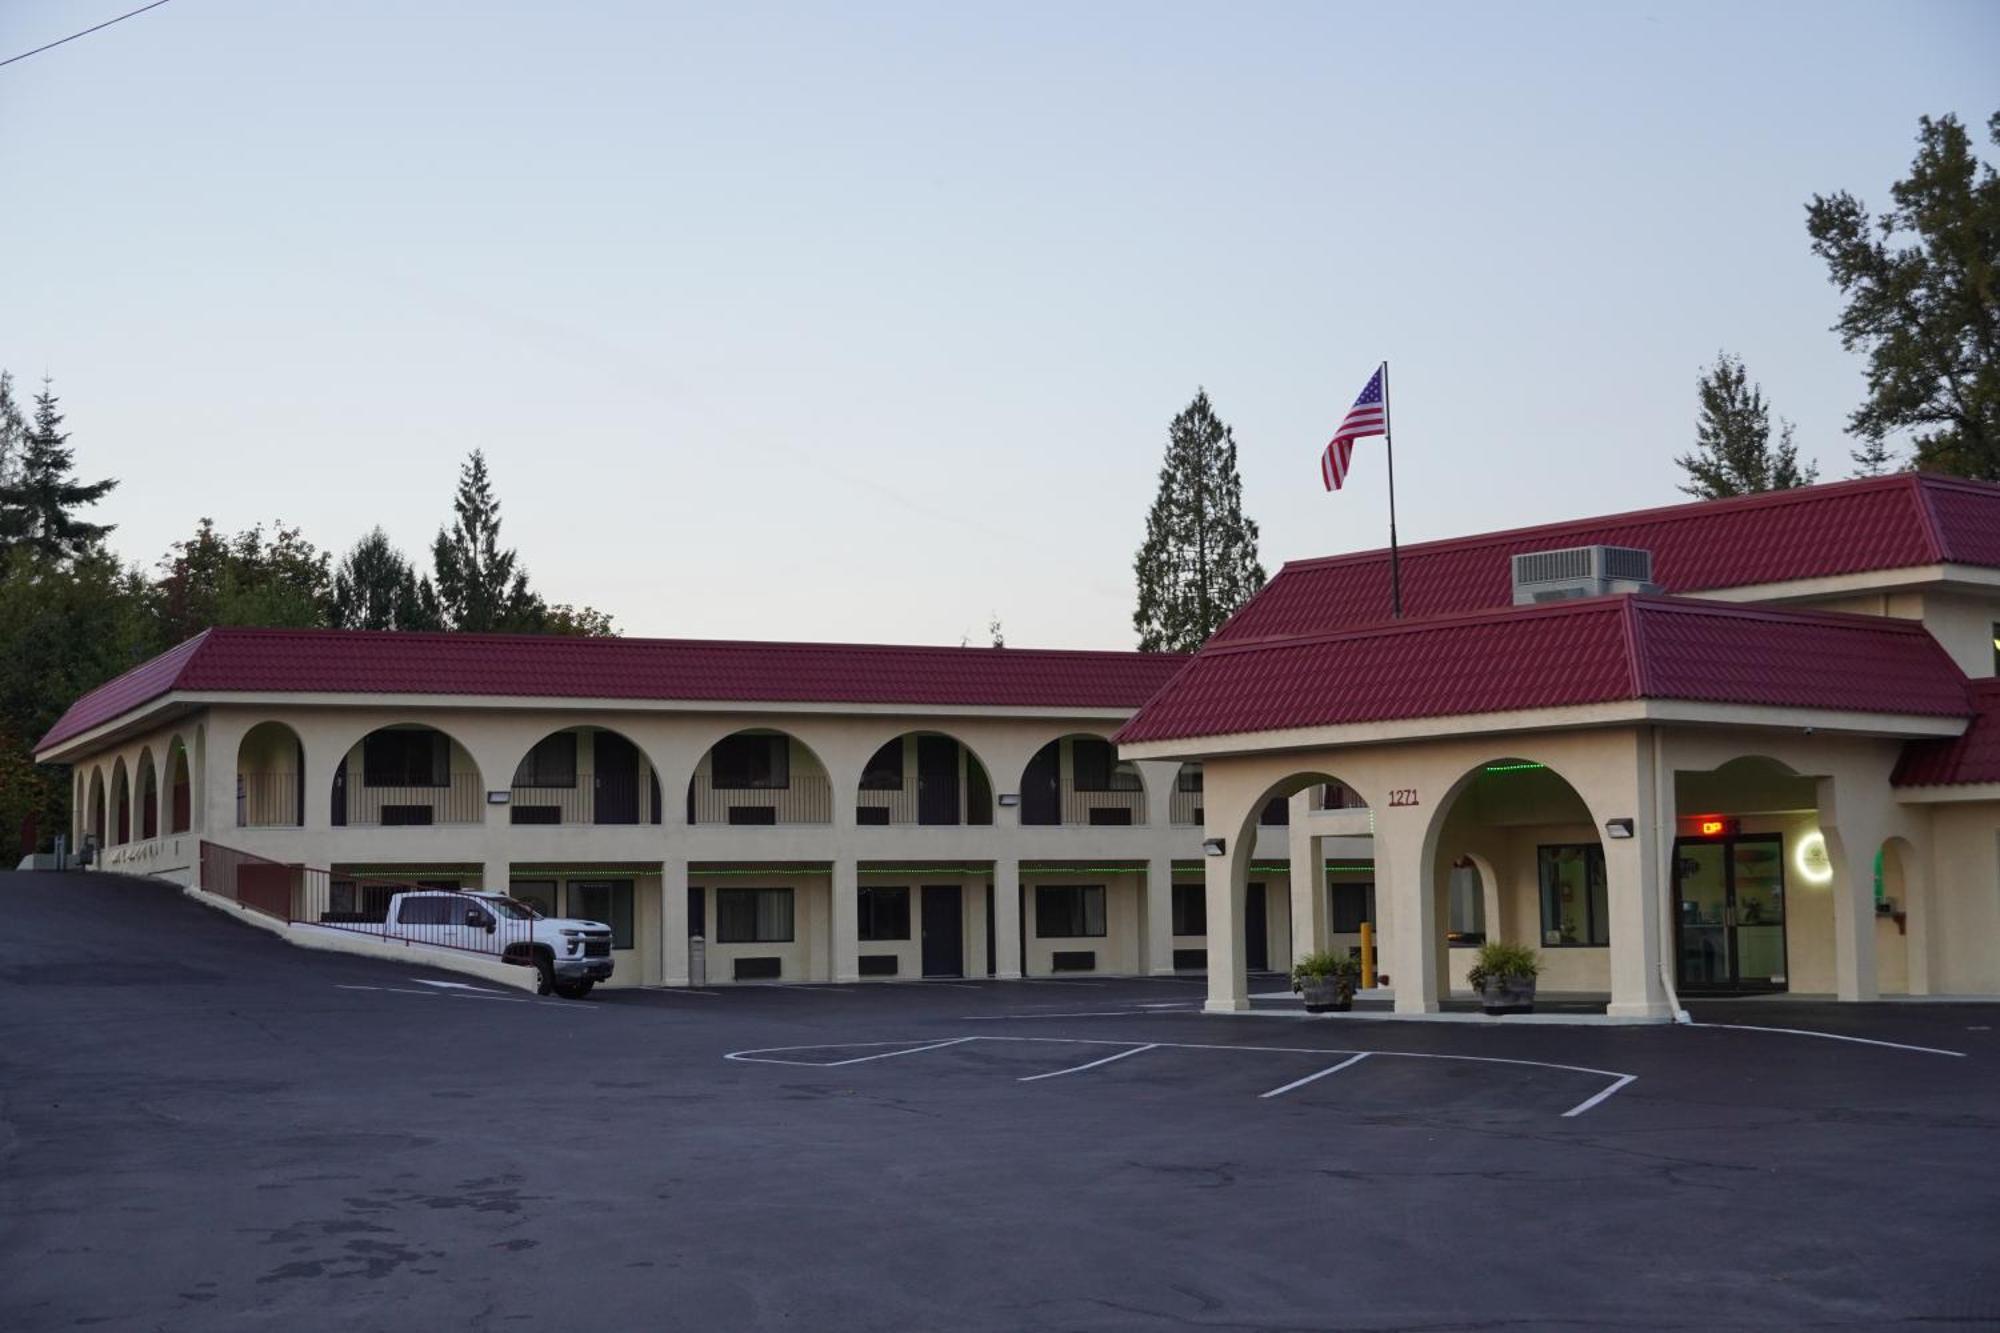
point(1368, 416)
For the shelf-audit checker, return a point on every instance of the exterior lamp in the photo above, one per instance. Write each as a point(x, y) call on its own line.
point(1617, 828)
point(499, 797)
point(1010, 798)
point(1214, 846)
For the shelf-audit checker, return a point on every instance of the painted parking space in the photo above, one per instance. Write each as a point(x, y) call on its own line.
point(1391, 1081)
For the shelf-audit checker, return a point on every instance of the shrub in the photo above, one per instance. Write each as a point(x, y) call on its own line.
point(1499, 961)
point(1326, 965)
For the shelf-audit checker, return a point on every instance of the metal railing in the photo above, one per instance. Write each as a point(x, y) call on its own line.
point(460, 800)
point(1184, 807)
point(268, 800)
point(900, 803)
point(1119, 807)
point(256, 882)
point(808, 800)
point(593, 800)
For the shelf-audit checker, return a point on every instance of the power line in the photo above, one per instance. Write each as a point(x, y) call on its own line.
point(85, 33)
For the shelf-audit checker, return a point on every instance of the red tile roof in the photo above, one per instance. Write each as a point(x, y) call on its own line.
point(1972, 757)
point(257, 661)
point(1878, 523)
point(1559, 654)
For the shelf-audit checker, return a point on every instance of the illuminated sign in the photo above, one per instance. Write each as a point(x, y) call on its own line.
point(1710, 826)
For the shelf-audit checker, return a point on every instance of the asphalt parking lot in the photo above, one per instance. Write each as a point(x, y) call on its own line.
point(201, 1128)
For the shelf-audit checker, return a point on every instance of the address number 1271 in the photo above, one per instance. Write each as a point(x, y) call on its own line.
point(1402, 796)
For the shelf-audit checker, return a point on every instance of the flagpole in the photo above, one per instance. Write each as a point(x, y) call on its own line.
point(1395, 558)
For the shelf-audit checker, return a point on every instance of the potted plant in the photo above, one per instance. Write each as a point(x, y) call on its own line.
point(1504, 975)
point(1327, 981)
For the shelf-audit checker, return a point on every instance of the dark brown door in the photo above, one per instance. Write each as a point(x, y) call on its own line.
point(937, 780)
point(617, 779)
point(944, 930)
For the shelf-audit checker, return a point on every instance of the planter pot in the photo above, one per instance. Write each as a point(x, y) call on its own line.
point(1328, 996)
point(1508, 995)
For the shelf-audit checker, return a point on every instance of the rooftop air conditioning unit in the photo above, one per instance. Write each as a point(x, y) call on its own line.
point(1581, 571)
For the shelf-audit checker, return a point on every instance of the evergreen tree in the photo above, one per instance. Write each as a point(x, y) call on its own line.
point(13, 430)
point(375, 588)
point(1733, 452)
point(38, 505)
point(479, 586)
point(1199, 560)
point(1926, 312)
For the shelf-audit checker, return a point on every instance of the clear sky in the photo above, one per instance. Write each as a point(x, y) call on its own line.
point(864, 322)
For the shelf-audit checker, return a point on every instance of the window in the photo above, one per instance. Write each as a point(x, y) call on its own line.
point(885, 770)
point(1190, 909)
point(1069, 912)
point(539, 894)
point(753, 916)
point(435, 909)
point(552, 763)
point(1352, 904)
point(885, 913)
point(1574, 907)
point(406, 759)
point(1189, 778)
point(1094, 766)
point(750, 762)
point(1466, 921)
point(1277, 812)
point(606, 900)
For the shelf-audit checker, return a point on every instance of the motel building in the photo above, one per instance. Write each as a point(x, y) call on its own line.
point(1749, 745)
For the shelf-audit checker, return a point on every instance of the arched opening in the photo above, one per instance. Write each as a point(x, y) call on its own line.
point(924, 777)
point(584, 775)
point(404, 775)
point(1080, 779)
point(270, 778)
point(760, 776)
point(148, 796)
point(1899, 966)
point(121, 803)
point(180, 789)
point(93, 819)
point(1517, 857)
point(1751, 885)
point(1277, 910)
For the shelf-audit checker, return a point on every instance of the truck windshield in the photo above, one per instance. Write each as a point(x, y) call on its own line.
point(512, 910)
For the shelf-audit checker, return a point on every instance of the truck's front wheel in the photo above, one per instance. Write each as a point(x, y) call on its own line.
point(545, 974)
point(574, 990)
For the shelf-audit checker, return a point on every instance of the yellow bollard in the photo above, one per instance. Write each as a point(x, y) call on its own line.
point(1367, 956)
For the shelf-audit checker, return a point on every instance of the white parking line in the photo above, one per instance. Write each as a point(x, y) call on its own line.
point(393, 990)
point(762, 1054)
point(1589, 1102)
point(1078, 1069)
point(1085, 1013)
point(1354, 1059)
point(1831, 1036)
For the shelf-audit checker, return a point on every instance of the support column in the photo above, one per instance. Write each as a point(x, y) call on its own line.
point(844, 931)
point(1407, 886)
point(1853, 832)
point(1007, 919)
point(1310, 904)
point(1635, 875)
point(496, 875)
point(1228, 885)
point(674, 921)
point(1160, 916)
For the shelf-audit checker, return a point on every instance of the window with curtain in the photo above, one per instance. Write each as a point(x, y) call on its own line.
point(552, 763)
point(1575, 910)
point(1352, 904)
point(753, 916)
point(1190, 909)
point(754, 762)
point(606, 900)
point(1069, 911)
point(884, 913)
point(539, 894)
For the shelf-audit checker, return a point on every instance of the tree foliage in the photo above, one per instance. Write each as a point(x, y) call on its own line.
point(1199, 560)
point(209, 579)
point(1734, 453)
point(375, 587)
point(1922, 284)
point(480, 586)
point(39, 502)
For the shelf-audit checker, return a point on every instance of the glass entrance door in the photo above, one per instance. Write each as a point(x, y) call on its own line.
point(1730, 912)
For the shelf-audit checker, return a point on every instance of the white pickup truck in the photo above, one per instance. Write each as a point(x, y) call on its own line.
point(569, 956)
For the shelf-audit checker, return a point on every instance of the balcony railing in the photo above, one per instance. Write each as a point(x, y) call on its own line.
point(807, 800)
point(1104, 807)
point(461, 800)
point(900, 806)
point(593, 800)
point(1184, 808)
point(268, 800)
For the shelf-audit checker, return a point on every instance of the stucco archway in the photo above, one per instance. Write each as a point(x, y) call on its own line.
point(1078, 778)
point(585, 775)
point(924, 777)
point(759, 775)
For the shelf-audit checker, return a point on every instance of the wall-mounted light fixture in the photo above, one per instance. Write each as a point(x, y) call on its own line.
point(1617, 828)
point(1214, 846)
point(499, 797)
point(1010, 798)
